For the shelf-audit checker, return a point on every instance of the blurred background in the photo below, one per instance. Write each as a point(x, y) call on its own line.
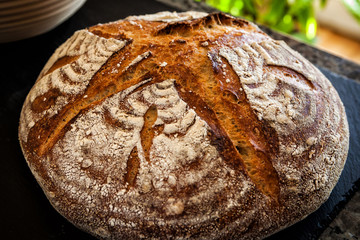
point(331, 25)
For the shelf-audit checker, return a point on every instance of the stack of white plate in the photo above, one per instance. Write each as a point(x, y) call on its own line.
point(21, 19)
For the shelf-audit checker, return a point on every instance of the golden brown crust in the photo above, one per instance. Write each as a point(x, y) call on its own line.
point(182, 125)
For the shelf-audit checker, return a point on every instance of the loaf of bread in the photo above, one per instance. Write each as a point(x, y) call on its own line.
point(182, 125)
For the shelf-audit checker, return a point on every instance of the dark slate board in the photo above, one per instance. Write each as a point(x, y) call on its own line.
point(24, 210)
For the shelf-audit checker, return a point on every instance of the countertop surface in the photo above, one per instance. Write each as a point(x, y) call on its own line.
point(25, 211)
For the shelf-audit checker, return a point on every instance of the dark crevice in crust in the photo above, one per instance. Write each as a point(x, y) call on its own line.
point(185, 28)
point(115, 122)
point(218, 135)
point(256, 145)
point(242, 140)
point(132, 168)
point(291, 74)
point(60, 63)
point(45, 101)
point(118, 36)
point(149, 131)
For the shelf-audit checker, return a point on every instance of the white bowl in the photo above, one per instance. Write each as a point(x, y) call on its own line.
point(26, 18)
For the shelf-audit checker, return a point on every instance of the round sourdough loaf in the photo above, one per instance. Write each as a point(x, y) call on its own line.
point(182, 125)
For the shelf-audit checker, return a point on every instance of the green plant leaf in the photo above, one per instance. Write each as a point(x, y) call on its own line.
point(236, 8)
point(323, 3)
point(299, 5)
point(286, 24)
point(249, 8)
point(276, 13)
point(353, 7)
point(302, 17)
point(213, 3)
point(311, 26)
point(224, 5)
point(289, 16)
point(302, 37)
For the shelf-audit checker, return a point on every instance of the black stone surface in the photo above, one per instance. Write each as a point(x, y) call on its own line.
point(24, 210)
point(346, 224)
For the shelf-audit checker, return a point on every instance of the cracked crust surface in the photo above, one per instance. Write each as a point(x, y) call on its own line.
point(182, 125)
